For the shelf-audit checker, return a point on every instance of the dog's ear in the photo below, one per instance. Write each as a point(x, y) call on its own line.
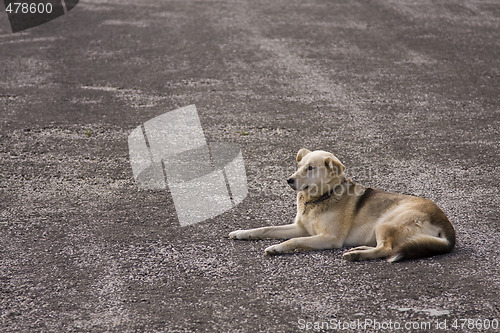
point(301, 153)
point(333, 164)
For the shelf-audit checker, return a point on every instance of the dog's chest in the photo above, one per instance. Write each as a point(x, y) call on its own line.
point(317, 218)
point(319, 221)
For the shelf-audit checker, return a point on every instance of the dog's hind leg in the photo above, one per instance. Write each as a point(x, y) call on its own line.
point(384, 235)
point(362, 248)
point(373, 253)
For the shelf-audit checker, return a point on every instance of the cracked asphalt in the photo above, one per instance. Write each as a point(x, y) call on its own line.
point(405, 93)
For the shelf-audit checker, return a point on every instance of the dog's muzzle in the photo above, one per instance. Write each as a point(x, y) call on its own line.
point(291, 182)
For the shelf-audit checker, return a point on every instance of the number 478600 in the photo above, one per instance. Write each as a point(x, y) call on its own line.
point(28, 8)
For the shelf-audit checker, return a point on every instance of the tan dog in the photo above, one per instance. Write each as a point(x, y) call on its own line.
point(335, 212)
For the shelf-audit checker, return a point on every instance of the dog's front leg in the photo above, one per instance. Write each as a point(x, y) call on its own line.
point(281, 231)
point(317, 242)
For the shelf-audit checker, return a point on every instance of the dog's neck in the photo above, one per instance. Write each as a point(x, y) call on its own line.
point(333, 190)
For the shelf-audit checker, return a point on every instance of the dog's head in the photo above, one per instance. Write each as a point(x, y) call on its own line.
point(317, 172)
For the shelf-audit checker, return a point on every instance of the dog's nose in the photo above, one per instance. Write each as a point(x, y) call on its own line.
point(290, 181)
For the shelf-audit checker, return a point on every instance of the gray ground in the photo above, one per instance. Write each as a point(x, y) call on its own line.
point(405, 93)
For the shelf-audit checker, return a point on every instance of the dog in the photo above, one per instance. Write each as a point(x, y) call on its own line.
point(333, 212)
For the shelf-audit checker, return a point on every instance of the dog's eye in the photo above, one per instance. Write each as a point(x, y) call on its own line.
point(309, 168)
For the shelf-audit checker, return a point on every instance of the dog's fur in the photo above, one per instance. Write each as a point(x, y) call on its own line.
point(334, 212)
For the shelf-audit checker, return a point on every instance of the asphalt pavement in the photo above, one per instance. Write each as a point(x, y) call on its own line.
point(404, 93)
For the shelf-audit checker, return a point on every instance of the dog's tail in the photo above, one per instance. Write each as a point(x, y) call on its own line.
point(421, 246)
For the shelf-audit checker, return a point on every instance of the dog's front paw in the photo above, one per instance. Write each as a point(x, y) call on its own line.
point(351, 255)
point(273, 250)
point(240, 234)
